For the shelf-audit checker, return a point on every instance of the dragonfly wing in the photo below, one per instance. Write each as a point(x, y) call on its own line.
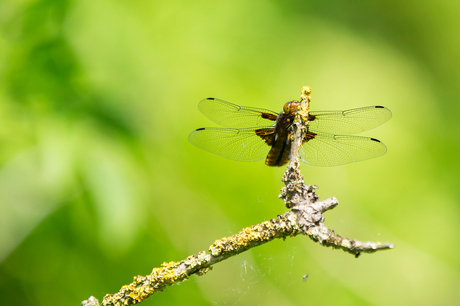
point(322, 149)
point(231, 115)
point(236, 144)
point(350, 121)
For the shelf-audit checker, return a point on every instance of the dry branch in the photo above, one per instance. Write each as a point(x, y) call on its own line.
point(305, 217)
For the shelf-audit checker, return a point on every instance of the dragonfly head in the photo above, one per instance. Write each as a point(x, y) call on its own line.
point(290, 108)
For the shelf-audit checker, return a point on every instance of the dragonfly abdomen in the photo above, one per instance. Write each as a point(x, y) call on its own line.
point(279, 153)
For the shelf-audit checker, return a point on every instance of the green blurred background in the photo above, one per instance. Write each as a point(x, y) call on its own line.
point(98, 182)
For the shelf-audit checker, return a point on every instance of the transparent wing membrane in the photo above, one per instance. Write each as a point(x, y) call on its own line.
point(248, 133)
point(350, 121)
point(236, 144)
point(228, 114)
point(333, 150)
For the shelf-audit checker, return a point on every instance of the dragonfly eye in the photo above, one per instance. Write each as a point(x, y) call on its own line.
point(287, 108)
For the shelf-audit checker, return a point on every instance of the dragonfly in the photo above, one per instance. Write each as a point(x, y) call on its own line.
point(250, 134)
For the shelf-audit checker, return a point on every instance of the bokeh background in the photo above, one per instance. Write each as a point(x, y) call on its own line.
point(98, 182)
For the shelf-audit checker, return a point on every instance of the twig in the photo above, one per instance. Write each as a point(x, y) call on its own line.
point(305, 217)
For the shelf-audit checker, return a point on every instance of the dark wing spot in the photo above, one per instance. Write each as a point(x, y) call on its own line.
point(267, 134)
point(378, 106)
point(200, 129)
point(309, 136)
point(210, 99)
point(311, 117)
point(375, 139)
point(269, 116)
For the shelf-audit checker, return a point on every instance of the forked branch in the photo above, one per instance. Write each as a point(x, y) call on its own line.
point(305, 217)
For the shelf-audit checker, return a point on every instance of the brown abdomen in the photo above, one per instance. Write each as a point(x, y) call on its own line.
point(279, 153)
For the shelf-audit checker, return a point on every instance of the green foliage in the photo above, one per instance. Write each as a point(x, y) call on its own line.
point(98, 182)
